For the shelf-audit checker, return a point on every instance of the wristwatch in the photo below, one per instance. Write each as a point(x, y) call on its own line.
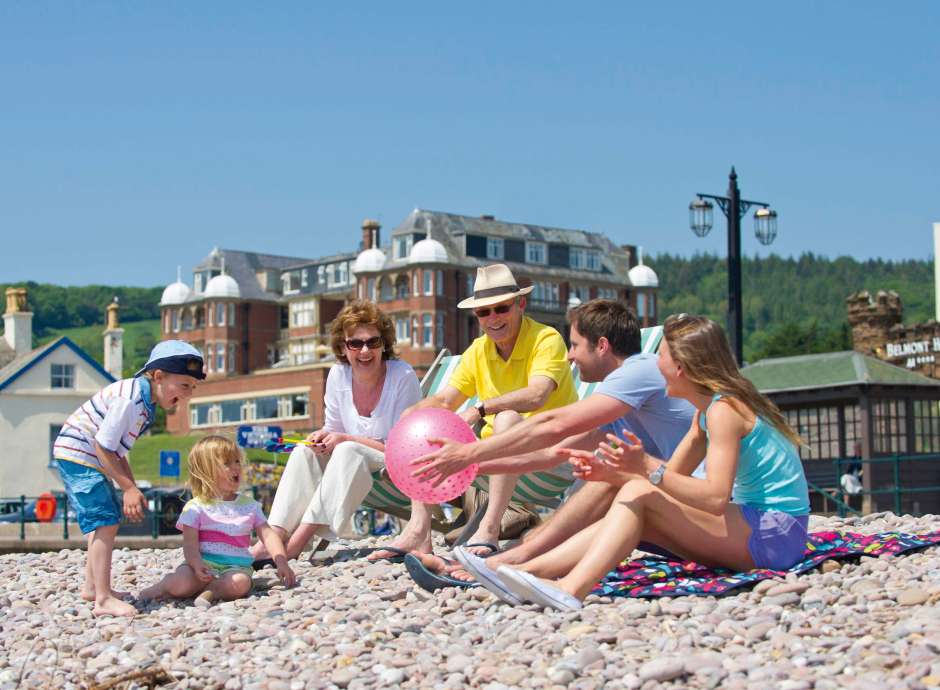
point(481, 409)
point(656, 476)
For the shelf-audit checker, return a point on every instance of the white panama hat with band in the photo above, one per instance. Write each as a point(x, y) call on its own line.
point(494, 284)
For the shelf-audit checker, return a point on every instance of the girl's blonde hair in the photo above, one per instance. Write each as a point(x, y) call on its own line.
point(700, 347)
point(206, 460)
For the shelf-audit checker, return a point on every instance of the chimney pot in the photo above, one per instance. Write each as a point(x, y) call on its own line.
point(370, 233)
point(18, 321)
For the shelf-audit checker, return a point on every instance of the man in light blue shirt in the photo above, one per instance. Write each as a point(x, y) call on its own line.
point(605, 345)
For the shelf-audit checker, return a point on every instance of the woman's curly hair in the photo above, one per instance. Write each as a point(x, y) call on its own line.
point(362, 312)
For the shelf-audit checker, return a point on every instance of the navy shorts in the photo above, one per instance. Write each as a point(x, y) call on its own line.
point(91, 494)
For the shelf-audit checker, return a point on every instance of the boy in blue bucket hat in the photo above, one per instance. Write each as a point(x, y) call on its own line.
point(91, 452)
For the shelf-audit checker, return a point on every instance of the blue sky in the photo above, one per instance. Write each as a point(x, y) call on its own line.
point(137, 136)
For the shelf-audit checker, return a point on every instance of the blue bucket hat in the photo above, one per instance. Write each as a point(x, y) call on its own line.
point(175, 357)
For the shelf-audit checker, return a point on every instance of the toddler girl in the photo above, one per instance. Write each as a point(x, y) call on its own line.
point(216, 525)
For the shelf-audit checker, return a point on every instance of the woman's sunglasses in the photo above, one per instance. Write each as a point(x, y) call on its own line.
point(373, 343)
point(483, 312)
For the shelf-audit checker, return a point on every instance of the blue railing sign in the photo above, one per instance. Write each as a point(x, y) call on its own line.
point(257, 436)
point(169, 463)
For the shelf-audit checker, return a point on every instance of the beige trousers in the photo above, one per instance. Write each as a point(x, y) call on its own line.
point(325, 492)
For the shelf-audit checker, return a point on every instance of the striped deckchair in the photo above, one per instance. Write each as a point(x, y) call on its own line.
point(540, 488)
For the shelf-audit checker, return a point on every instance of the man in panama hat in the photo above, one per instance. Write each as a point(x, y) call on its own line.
point(517, 367)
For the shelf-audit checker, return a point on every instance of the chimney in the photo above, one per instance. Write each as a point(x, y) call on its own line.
point(487, 216)
point(113, 342)
point(18, 322)
point(370, 234)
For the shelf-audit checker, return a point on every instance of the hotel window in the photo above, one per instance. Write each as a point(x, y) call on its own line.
point(220, 314)
point(439, 283)
point(545, 294)
point(593, 261)
point(385, 289)
point(427, 331)
point(220, 356)
point(494, 248)
point(439, 329)
point(640, 305)
point(166, 321)
point(403, 246)
point(176, 320)
point(370, 289)
point(414, 331)
point(607, 293)
point(231, 357)
point(187, 320)
point(401, 287)
point(231, 314)
point(402, 331)
point(428, 281)
point(321, 275)
point(535, 253)
point(266, 407)
point(576, 258)
point(303, 278)
point(197, 282)
point(301, 313)
point(209, 357)
point(469, 284)
point(582, 292)
point(62, 376)
point(414, 283)
point(652, 305)
point(818, 428)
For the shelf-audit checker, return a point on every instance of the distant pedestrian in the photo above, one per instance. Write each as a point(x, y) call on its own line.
point(216, 526)
point(91, 452)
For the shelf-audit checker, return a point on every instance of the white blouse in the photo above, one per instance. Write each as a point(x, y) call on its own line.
point(400, 391)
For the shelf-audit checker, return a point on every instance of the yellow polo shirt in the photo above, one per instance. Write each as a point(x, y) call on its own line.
point(539, 351)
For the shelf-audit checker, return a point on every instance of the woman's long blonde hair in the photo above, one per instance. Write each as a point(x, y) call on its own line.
point(206, 460)
point(700, 347)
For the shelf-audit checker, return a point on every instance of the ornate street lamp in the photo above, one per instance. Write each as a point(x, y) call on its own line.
point(765, 229)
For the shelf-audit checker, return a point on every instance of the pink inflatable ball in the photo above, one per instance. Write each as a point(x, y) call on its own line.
point(408, 440)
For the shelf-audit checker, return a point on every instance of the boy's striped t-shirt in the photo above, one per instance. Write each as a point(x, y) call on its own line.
point(113, 417)
point(224, 529)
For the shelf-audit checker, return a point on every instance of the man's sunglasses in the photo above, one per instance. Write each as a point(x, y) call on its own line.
point(373, 343)
point(483, 312)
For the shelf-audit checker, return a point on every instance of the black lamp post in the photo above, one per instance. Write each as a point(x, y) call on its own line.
point(765, 229)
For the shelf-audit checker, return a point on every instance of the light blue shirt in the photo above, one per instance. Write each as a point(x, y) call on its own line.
point(770, 473)
point(659, 421)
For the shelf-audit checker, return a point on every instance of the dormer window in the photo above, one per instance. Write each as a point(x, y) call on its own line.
point(536, 253)
point(495, 248)
point(593, 260)
point(402, 246)
point(577, 258)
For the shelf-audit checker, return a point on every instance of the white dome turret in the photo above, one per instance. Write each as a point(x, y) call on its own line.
point(369, 260)
point(223, 286)
point(175, 293)
point(428, 251)
point(643, 276)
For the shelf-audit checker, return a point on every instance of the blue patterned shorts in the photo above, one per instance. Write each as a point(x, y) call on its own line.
point(91, 494)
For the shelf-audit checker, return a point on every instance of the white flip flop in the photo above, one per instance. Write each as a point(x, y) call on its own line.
point(527, 586)
point(486, 576)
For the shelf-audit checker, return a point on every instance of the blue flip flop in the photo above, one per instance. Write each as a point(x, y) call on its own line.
point(429, 580)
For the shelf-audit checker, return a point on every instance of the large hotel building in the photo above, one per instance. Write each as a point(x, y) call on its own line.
point(263, 320)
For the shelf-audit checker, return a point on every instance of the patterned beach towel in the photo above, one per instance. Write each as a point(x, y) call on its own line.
point(661, 577)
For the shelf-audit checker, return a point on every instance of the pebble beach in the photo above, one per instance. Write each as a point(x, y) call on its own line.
point(868, 624)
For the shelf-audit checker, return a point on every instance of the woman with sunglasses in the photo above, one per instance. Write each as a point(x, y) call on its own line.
point(366, 391)
point(747, 447)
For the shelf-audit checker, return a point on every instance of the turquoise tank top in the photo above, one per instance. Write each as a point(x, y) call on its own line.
point(770, 473)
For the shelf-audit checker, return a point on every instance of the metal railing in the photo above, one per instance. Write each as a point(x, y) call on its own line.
point(157, 515)
point(841, 465)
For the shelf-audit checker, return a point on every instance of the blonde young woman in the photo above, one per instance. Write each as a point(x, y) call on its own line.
point(747, 446)
point(366, 391)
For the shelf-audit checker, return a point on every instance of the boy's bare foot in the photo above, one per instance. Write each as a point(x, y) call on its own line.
point(89, 595)
point(113, 606)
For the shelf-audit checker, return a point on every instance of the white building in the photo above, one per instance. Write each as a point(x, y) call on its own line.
point(39, 389)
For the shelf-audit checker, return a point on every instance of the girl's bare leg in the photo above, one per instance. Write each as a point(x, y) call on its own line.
point(182, 583)
point(230, 585)
point(560, 560)
point(641, 511)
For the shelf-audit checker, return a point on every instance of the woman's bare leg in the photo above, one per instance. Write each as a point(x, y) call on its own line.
point(641, 511)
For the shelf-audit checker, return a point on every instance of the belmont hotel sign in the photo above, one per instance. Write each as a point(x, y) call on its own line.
point(914, 352)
